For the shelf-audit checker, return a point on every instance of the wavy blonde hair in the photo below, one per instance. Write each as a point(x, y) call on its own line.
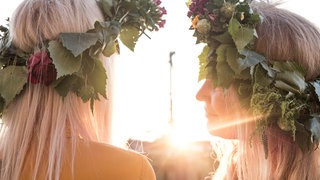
point(38, 122)
point(283, 35)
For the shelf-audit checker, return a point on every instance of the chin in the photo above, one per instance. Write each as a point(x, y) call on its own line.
point(225, 132)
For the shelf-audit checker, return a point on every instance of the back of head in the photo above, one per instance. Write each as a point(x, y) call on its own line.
point(284, 35)
point(35, 21)
point(39, 119)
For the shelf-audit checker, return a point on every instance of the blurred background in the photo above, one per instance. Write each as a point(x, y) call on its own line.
point(155, 110)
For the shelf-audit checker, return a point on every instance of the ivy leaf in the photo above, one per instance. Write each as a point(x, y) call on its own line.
point(78, 42)
point(63, 59)
point(313, 126)
point(203, 63)
point(12, 81)
point(129, 36)
point(242, 36)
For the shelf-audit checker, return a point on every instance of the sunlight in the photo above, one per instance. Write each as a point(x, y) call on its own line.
point(230, 124)
point(180, 140)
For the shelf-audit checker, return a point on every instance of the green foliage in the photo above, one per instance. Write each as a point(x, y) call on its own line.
point(76, 56)
point(12, 81)
point(63, 59)
point(129, 36)
point(78, 42)
point(203, 71)
point(275, 91)
point(242, 36)
point(313, 126)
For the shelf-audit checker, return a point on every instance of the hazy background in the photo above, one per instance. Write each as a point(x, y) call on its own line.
point(142, 78)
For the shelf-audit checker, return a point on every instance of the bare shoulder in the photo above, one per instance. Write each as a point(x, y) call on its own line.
point(109, 161)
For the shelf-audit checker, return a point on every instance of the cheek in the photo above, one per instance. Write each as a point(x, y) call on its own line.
point(220, 104)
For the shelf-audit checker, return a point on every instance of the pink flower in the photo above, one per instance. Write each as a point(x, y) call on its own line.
point(162, 23)
point(41, 69)
point(158, 2)
point(162, 10)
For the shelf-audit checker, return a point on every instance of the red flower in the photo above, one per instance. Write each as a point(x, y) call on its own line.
point(41, 69)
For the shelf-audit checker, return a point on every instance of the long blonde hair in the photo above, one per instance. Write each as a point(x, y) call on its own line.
point(283, 35)
point(38, 122)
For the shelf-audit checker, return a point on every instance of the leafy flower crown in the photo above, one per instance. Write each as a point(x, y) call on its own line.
point(71, 62)
point(276, 92)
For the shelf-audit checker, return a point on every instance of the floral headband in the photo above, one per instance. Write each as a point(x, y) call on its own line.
point(71, 62)
point(276, 92)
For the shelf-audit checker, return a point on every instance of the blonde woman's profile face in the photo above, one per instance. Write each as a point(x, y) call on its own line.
point(222, 108)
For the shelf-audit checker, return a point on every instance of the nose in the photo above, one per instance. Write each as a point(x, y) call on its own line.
point(204, 93)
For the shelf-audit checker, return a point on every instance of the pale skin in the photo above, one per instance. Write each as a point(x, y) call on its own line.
point(222, 107)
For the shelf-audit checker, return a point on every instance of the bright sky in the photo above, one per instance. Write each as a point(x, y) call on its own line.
point(142, 85)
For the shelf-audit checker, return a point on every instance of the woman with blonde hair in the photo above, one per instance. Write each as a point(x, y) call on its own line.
point(261, 65)
point(55, 103)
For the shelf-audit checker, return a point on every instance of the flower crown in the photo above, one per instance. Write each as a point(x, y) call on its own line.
point(71, 62)
point(276, 92)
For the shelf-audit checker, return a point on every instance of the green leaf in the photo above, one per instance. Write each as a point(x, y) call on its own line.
point(252, 58)
point(63, 59)
point(313, 126)
point(270, 72)
point(290, 81)
point(303, 137)
point(242, 36)
point(289, 66)
point(2, 105)
point(110, 49)
point(86, 93)
point(2, 60)
point(12, 81)
point(222, 52)
point(234, 27)
point(98, 78)
point(224, 38)
point(316, 85)
point(225, 74)
point(129, 36)
point(106, 6)
point(260, 76)
point(232, 59)
point(78, 42)
point(66, 84)
point(203, 72)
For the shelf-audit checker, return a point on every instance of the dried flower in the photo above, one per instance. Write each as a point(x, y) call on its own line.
point(203, 26)
point(41, 69)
